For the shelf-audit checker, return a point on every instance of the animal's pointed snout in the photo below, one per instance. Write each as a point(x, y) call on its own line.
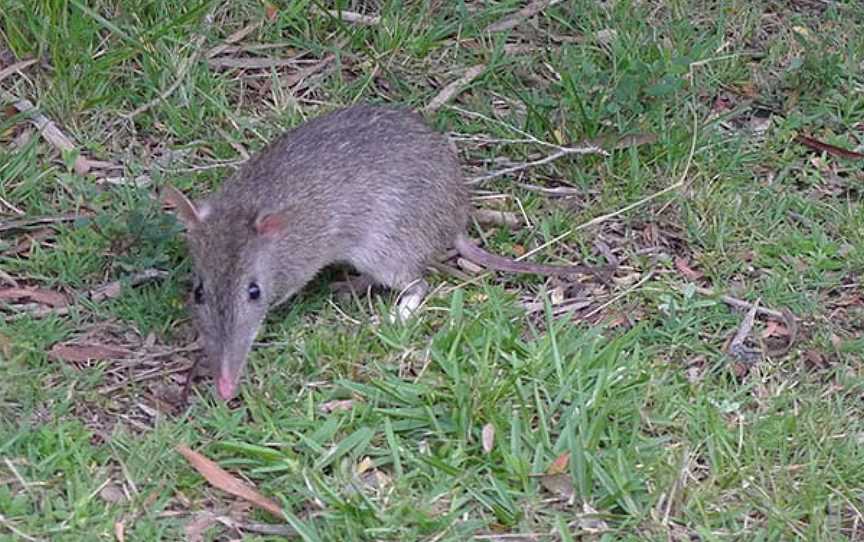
point(226, 387)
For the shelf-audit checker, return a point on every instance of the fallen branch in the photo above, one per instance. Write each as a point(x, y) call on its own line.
point(828, 148)
point(560, 153)
point(52, 134)
point(454, 88)
point(515, 19)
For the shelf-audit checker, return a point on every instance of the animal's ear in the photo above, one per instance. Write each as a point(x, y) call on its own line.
point(271, 225)
point(188, 213)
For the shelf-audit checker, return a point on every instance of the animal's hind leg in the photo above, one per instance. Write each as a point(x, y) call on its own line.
point(352, 285)
point(410, 300)
point(405, 278)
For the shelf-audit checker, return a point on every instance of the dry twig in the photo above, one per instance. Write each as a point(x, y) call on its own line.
point(52, 134)
point(513, 20)
point(253, 63)
point(233, 38)
point(15, 531)
point(16, 67)
point(353, 17)
point(560, 153)
point(737, 348)
point(741, 304)
point(454, 88)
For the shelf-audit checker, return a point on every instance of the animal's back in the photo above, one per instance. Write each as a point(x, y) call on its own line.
point(378, 180)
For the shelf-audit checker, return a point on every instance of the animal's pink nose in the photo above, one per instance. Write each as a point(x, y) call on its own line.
point(226, 387)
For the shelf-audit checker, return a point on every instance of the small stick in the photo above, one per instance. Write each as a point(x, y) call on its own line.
point(17, 67)
point(233, 38)
point(38, 221)
point(11, 207)
point(49, 130)
point(271, 529)
point(454, 88)
point(741, 304)
point(615, 299)
point(4, 522)
point(515, 19)
point(737, 349)
point(353, 17)
point(563, 151)
point(249, 63)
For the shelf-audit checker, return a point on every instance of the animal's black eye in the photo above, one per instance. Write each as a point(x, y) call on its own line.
point(199, 294)
point(254, 291)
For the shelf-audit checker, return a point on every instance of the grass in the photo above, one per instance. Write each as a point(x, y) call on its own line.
point(668, 438)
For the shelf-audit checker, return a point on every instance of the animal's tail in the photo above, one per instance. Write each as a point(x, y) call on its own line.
point(468, 249)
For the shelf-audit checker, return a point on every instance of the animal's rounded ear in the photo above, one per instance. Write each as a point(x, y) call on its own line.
point(188, 213)
point(271, 225)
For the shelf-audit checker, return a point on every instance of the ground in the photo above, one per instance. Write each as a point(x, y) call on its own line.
point(645, 407)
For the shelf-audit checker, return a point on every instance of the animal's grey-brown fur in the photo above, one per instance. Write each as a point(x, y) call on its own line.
point(370, 186)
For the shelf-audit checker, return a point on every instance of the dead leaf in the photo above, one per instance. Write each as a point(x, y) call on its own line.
point(271, 11)
point(5, 346)
point(590, 520)
point(514, 19)
point(454, 88)
point(828, 148)
point(687, 271)
point(488, 437)
point(87, 352)
point(774, 329)
point(560, 464)
point(816, 359)
point(338, 405)
point(740, 369)
point(196, 528)
point(518, 250)
point(560, 484)
point(367, 476)
point(606, 36)
point(113, 494)
point(364, 465)
point(120, 531)
point(221, 479)
point(36, 295)
point(29, 240)
point(113, 289)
